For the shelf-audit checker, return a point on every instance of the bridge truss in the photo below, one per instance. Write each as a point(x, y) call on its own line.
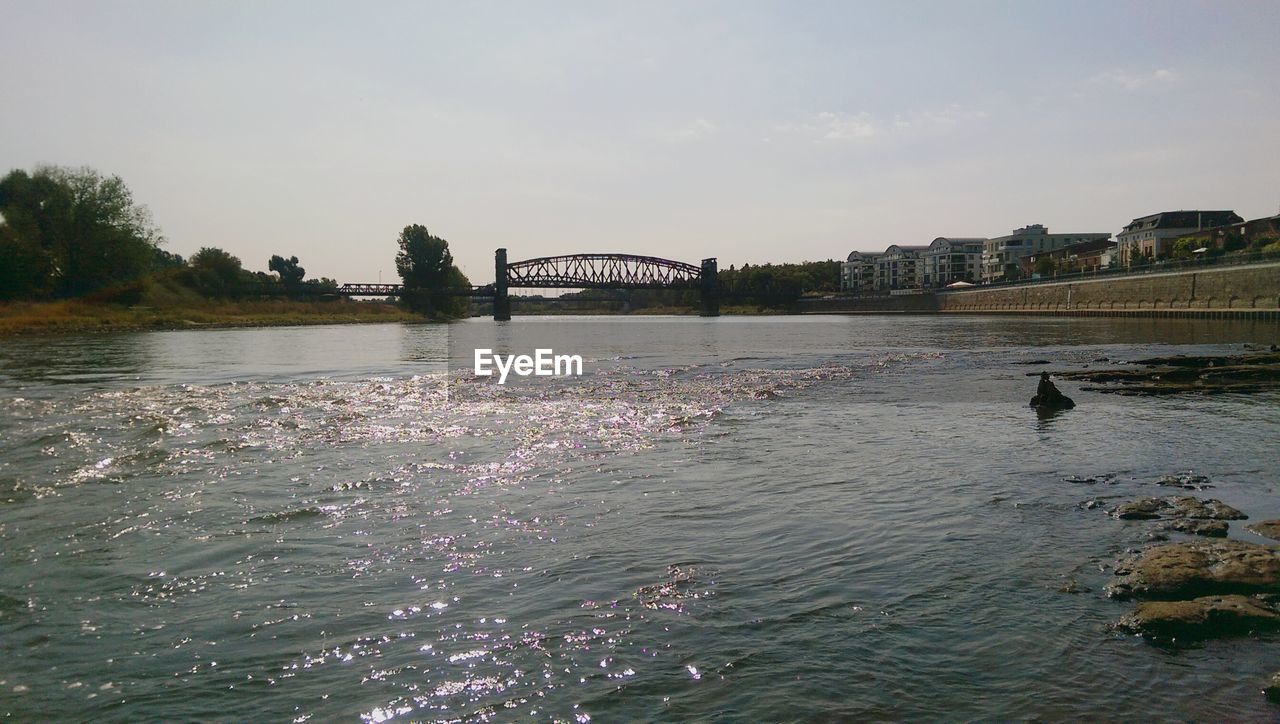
point(601, 271)
point(573, 271)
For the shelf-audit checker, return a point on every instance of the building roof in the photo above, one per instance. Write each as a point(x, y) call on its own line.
point(942, 241)
point(861, 255)
point(1082, 247)
point(906, 248)
point(1193, 219)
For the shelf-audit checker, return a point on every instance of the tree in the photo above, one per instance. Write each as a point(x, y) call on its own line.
point(1045, 266)
point(23, 269)
point(215, 272)
point(290, 273)
point(1185, 248)
point(426, 268)
point(76, 230)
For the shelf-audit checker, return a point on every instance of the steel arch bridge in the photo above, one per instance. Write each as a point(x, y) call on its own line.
point(602, 271)
point(574, 271)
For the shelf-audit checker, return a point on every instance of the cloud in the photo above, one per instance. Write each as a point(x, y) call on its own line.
point(833, 126)
point(946, 117)
point(1131, 81)
point(695, 129)
point(830, 126)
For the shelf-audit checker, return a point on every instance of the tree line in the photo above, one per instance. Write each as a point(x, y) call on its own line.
point(72, 232)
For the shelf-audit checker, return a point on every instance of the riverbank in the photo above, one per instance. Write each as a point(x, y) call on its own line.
point(75, 316)
point(1249, 291)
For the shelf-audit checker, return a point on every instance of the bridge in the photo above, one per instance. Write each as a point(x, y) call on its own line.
point(396, 290)
point(580, 271)
point(603, 271)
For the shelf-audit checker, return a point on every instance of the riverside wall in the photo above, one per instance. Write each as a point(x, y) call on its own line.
point(1251, 291)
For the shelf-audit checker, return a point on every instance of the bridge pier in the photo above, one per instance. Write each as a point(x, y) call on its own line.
point(501, 299)
point(710, 289)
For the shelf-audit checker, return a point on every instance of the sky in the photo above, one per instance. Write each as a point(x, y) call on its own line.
point(743, 130)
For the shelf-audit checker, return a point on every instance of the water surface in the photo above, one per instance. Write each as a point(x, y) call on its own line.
point(746, 519)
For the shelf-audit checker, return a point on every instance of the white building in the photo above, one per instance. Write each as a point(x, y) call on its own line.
point(899, 267)
point(858, 272)
point(951, 259)
point(1001, 256)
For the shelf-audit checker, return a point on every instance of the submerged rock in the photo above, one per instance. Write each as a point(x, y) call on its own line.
point(1186, 481)
point(1198, 568)
point(1201, 618)
point(1267, 528)
point(1178, 375)
point(1182, 506)
point(1107, 478)
point(1141, 509)
point(1194, 526)
point(1272, 688)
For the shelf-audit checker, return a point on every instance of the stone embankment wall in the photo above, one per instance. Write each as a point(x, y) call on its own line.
point(1252, 290)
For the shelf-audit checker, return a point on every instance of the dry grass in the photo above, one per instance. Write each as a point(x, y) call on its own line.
point(84, 316)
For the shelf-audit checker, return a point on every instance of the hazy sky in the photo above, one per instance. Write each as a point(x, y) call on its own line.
point(748, 131)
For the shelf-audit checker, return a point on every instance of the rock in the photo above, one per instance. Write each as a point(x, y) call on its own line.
point(1198, 568)
point(1245, 373)
point(1201, 618)
point(1108, 478)
point(1073, 586)
point(1048, 397)
point(1186, 481)
point(1141, 509)
point(1267, 528)
point(1185, 506)
point(1272, 688)
point(1209, 508)
point(1182, 506)
point(1193, 526)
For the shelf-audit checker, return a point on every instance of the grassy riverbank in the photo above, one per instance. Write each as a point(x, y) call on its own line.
point(72, 316)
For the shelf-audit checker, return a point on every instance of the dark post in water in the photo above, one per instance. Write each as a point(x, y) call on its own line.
point(501, 302)
point(710, 289)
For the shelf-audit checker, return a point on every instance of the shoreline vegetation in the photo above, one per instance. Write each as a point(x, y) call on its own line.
point(78, 254)
point(75, 316)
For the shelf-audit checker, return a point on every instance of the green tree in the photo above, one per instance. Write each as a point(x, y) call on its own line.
point(426, 268)
point(290, 273)
point(1045, 266)
point(1185, 248)
point(215, 272)
point(23, 269)
point(77, 230)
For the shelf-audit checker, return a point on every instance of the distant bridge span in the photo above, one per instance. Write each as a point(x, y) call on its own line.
point(575, 271)
point(603, 271)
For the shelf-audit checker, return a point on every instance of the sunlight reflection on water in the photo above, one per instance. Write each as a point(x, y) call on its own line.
point(818, 519)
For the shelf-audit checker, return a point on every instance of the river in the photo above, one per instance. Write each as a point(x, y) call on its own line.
point(775, 518)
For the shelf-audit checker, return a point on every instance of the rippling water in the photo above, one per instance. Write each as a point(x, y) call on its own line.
point(752, 519)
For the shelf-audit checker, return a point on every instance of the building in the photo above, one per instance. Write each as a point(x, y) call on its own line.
point(1002, 256)
point(1151, 237)
point(951, 259)
point(858, 272)
point(899, 267)
point(1252, 234)
point(1086, 256)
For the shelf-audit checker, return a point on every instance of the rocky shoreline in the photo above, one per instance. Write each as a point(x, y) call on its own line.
point(1206, 587)
point(1205, 374)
